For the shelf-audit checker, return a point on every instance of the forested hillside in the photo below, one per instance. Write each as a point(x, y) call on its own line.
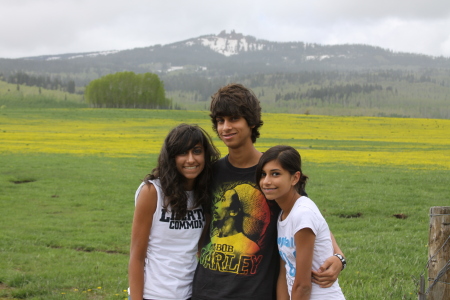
point(290, 77)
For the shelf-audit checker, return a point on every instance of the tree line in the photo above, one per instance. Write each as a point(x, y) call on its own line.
point(323, 82)
point(46, 82)
point(127, 90)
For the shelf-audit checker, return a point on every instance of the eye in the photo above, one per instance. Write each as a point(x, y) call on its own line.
point(197, 150)
point(275, 174)
point(263, 174)
point(219, 120)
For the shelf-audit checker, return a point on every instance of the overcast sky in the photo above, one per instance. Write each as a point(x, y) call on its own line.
point(40, 27)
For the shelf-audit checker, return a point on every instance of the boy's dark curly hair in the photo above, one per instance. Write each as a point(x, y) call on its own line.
point(237, 100)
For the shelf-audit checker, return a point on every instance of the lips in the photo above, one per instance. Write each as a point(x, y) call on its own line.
point(190, 168)
point(228, 136)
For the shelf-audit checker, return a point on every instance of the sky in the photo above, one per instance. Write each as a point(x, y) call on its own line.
point(48, 27)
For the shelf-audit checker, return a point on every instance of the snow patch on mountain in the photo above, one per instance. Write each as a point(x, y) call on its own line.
point(90, 54)
point(228, 44)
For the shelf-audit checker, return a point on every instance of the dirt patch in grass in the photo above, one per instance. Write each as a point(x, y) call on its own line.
point(23, 181)
point(5, 292)
point(349, 216)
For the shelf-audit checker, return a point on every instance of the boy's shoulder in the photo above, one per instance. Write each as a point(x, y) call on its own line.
point(224, 164)
point(221, 163)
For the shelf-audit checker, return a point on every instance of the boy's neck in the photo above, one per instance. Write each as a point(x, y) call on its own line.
point(244, 157)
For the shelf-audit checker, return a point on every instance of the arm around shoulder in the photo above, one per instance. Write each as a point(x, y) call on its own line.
point(142, 222)
point(330, 269)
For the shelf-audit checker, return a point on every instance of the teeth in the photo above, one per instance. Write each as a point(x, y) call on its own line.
point(190, 168)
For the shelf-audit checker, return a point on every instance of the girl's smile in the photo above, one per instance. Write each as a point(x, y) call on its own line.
point(190, 164)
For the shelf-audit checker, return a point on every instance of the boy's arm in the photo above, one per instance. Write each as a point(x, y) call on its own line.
point(330, 269)
point(204, 233)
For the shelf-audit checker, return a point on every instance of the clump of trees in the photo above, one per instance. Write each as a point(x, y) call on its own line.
point(127, 90)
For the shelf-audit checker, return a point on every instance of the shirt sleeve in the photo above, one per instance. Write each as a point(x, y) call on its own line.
point(305, 217)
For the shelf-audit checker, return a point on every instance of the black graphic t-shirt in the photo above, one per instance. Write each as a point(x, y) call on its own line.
point(239, 259)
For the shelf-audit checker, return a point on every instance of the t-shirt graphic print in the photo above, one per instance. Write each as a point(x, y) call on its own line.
point(240, 217)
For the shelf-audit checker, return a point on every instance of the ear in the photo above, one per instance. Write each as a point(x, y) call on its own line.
point(296, 177)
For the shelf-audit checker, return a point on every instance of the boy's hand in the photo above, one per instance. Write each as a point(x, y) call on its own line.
point(328, 272)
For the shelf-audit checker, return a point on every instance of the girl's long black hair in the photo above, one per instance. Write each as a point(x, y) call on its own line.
point(289, 159)
point(179, 140)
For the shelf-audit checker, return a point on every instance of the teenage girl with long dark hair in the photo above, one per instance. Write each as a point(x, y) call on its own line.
point(169, 217)
point(304, 239)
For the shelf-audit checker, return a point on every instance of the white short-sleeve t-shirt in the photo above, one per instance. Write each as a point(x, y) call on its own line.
point(305, 214)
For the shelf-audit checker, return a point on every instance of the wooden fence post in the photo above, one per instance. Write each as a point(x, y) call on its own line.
point(439, 253)
point(422, 295)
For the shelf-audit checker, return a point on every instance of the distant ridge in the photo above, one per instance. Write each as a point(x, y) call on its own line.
point(233, 43)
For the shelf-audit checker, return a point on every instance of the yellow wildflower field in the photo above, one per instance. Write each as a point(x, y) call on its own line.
point(413, 143)
point(364, 140)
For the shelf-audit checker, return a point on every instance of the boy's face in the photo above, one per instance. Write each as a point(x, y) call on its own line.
point(234, 131)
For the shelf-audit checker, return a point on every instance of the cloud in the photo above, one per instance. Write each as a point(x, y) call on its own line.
point(38, 27)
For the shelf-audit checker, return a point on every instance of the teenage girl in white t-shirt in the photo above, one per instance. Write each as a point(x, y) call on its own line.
point(304, 239)
point(169, 218)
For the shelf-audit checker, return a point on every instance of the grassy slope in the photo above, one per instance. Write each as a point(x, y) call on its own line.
point(31, 96)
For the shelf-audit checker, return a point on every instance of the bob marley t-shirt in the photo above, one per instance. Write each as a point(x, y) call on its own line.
point(239, 258)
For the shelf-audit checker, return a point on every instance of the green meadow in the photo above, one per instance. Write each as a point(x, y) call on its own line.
point(67, 199)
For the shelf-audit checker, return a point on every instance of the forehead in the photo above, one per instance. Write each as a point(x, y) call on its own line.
point(273, 165)
point(184, 145)
point(227, 109)
point(224, 116)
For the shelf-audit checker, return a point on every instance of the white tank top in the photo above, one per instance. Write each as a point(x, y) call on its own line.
point(171, 252)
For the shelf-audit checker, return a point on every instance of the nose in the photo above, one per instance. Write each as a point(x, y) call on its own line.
point(226, 124)
point(190, 157)
point(265, 180)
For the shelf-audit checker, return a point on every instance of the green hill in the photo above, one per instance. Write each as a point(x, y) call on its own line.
point(14, 95)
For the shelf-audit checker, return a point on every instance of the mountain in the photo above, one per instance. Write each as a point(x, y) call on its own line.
point(289, 71)
point(226, 54)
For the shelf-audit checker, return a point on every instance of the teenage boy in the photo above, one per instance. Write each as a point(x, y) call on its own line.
point(239, 258)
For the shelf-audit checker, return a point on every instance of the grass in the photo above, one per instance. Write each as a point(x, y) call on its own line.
point(20, 96)
point(68, 230)
point(67, 202)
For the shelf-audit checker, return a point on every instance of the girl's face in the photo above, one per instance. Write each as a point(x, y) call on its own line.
point(190, 164)
point(277, 183)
